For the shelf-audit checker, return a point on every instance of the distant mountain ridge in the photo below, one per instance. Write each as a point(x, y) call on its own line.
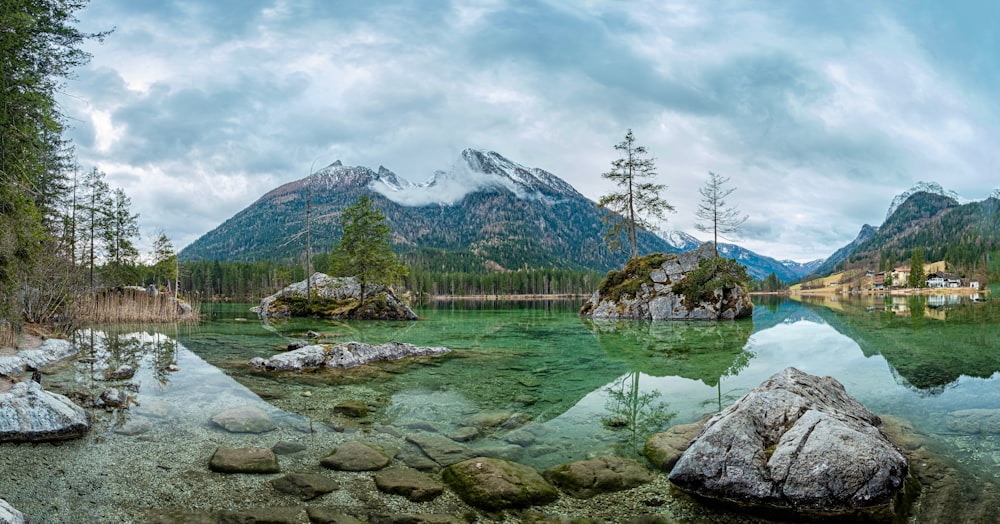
point(929, 217)
point(486, 212)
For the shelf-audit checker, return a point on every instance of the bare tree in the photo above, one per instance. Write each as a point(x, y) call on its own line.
point(638, 201)
point(715, 217)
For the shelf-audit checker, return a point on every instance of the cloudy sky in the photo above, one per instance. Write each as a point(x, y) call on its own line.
point(818, 112)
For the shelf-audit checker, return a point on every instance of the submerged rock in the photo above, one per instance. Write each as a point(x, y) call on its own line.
point(644, 290)
point(410, 483)
point(305, 486)
point(496, 484)
point(344, 355)
point(28, 413)
point(796, 442)
point(335, 298)
point(244, 419)
point(358, 456)
point(587, 478)
point(251, 459)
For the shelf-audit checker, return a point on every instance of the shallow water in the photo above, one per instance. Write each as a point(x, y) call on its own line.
point(578, 388)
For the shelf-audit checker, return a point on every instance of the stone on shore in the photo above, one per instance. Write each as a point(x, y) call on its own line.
point(795, 443)
point(50, 351)
point(587, 478)
point(358, 456)
point(28, 413)
point(496, 484)
point(251, 459)
point(244, 419)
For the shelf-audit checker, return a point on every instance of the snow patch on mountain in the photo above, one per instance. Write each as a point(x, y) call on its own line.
point(920, 187)
point(680, 240)
point(474, 171)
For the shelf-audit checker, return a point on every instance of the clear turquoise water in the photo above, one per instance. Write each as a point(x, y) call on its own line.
point(578, 388)
point(580, 379)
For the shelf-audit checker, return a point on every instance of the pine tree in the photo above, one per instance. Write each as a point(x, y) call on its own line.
point(363, 251)
point(638, 202)
point(917, 278)
point(715, 217)
point(122, 229)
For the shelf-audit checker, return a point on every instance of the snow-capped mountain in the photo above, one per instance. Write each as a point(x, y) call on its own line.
point(486, 211)
point(920, 187)
point(680, 240)
point(473, 171)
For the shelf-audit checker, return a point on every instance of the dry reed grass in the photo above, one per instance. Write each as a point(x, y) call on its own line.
point(123, 305)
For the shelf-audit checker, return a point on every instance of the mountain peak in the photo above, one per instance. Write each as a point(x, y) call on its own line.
point(920, 187)
point(477, 170)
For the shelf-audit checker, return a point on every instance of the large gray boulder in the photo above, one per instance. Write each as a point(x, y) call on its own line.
point(336, 298)
point(50, 351)
point(28, 413)
point(646, 293)
point(343, 355)
point(9, 515)
point(797, 442)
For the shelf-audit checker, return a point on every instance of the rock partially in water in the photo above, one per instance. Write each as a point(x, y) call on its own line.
point(306, 486)
point(244, 419)
point(335, 298)
point(123, 372)
point(644, 290)
point(410, 483)
point(663, 450)
point(113, 398)
point(343, 355)
point(442, 450)
point(357, 455)
point(351, 408)
point(797, 442)
point(251, 459)
point(9, 515)
point(975, 421)
point(50, 351)
point(587, 478)
point(28, 413)
point(495, 484)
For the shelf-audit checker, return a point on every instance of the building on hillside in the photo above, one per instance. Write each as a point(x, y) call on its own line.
point(941, 279)
point(901, 276)
point(878, 280)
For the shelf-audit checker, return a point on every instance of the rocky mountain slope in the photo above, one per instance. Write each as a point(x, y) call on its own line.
point(485, 211)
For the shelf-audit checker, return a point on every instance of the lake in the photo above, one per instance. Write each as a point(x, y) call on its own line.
point(560, 388)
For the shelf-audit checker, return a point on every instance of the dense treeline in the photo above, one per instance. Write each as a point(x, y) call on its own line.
point(39, 48)
point(251, 281)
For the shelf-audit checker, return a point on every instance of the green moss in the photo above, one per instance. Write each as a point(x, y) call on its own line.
point(712, 274)
point(628, 281)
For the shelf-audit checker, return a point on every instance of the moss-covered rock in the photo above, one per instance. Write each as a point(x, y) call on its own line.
point(695, 285)
point(587, 478)
point(496, 484)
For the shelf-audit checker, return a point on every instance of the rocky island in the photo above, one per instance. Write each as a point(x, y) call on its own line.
point(334, 298)
point(657, 287)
